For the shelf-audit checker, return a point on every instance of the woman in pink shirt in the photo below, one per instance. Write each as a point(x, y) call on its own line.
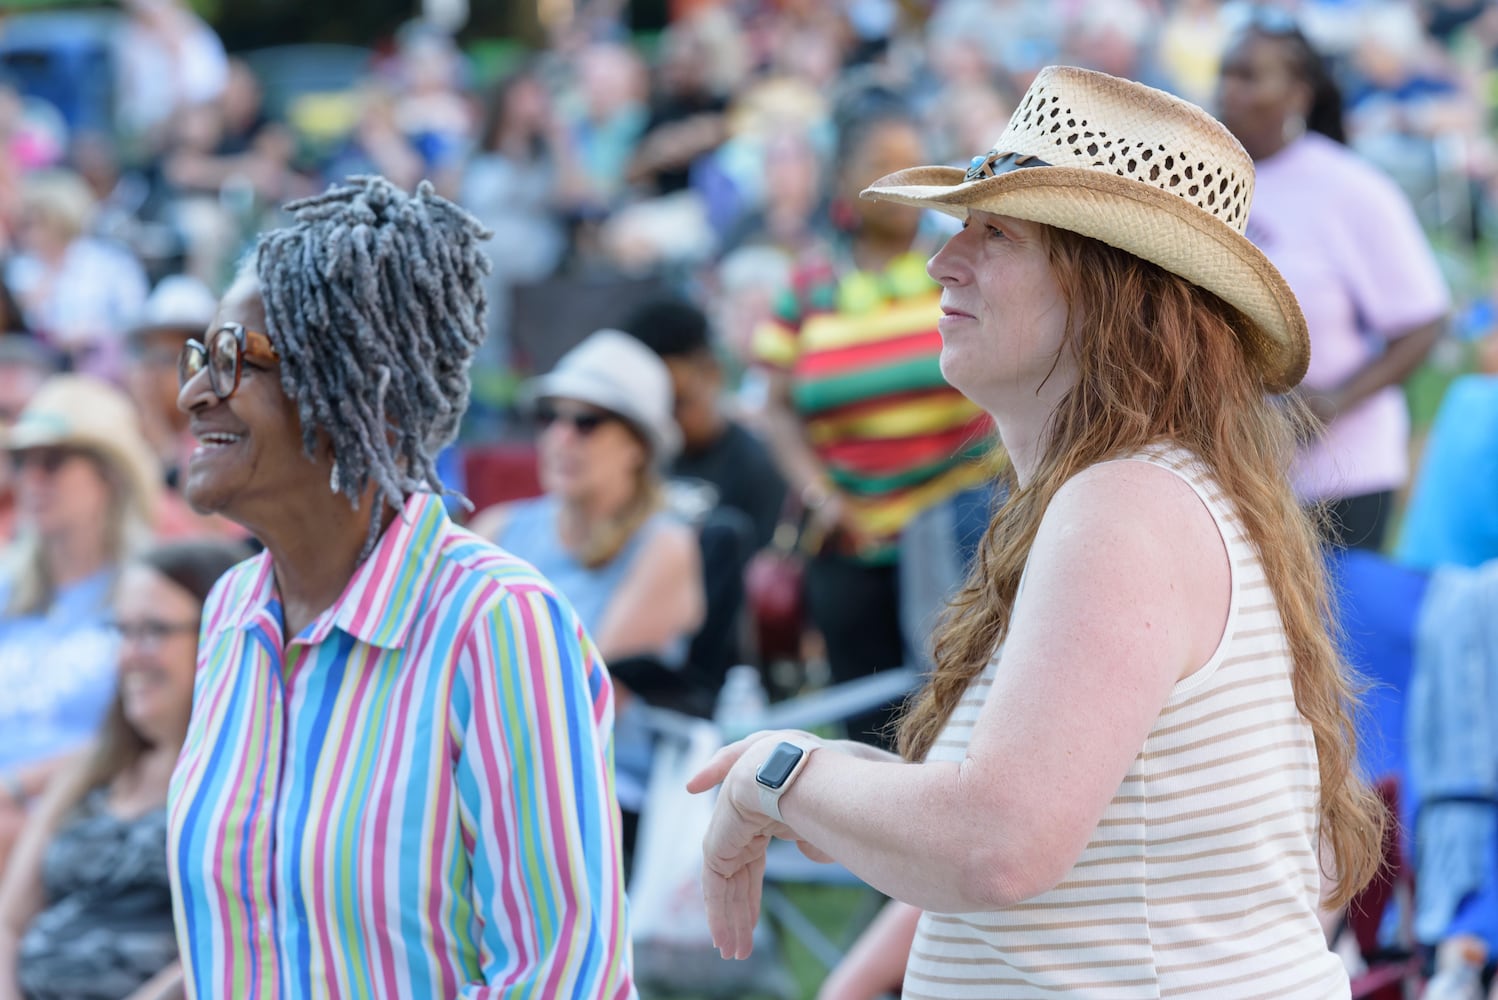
point(1346, 239)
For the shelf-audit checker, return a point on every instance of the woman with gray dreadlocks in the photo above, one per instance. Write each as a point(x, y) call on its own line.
point(397, 781)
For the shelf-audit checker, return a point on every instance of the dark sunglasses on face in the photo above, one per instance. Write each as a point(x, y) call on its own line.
point(585, 422)
point(223, 352)
point(48, 460)
point(150, 632)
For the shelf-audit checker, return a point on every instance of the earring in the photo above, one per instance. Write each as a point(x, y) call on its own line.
point(333, 483)
point(1295, 127)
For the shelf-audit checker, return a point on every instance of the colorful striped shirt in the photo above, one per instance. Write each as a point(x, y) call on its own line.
point(864, 358)
point(413, 799)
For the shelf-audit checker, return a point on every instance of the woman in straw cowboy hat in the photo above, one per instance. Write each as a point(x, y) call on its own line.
point(1130, 774)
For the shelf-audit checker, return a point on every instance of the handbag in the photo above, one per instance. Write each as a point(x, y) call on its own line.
point(775, 586)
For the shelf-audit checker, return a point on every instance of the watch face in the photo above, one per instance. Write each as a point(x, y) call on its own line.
point(779, 765)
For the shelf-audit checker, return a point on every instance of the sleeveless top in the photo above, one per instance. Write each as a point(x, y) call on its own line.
point(1202, 877)
point(530, 532)
point(107, 927)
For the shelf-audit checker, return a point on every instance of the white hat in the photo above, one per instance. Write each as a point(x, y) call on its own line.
point(1137, 169)
point(614, 371)
point(178, 302)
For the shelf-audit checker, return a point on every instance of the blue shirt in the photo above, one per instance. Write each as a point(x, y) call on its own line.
point(57, 671)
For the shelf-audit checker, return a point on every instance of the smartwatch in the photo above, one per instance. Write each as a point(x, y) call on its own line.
point(775, 775)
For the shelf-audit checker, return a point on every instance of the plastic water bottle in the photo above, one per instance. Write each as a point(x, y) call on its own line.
point(1458, 972)
point(741, 702)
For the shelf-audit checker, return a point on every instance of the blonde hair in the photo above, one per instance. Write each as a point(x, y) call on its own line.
point(126, 532)
point(605, 539)
point(1161, 360)
point(62, 198)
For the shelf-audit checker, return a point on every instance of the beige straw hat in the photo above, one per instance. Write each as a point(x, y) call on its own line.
point(82, 411)
point(1137, 169)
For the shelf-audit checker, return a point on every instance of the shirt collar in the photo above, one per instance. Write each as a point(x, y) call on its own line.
point(379, 604)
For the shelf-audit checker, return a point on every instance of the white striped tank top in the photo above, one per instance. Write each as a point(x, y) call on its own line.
point(1201, 879)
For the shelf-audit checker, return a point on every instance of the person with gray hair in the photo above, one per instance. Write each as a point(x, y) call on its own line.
point(397, 779)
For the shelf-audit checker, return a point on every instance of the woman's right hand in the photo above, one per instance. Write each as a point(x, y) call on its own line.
point(832, 523)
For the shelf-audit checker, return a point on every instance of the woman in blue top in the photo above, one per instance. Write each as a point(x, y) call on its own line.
point(601, 532)
point(86, 486)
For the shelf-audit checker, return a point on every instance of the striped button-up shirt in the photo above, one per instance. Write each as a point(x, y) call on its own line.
point(412, 799)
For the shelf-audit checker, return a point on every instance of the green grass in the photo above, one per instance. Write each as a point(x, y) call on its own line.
point(837, 911)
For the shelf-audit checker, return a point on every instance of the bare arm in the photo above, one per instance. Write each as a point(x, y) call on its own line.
point(659, 600)
point(875, 965)
point(1398, 362)
point(165, 985)
point(490, 522)
point(803, 471)
point(1087, 666)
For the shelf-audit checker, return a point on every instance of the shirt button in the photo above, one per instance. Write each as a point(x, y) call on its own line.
point(265, 925)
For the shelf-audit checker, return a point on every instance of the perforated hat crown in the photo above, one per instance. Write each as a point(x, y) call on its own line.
point(1138, 169)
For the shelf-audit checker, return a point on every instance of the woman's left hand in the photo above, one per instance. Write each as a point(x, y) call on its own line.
point(739, 834)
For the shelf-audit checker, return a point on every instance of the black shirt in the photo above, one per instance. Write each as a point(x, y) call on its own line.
point(739, 465)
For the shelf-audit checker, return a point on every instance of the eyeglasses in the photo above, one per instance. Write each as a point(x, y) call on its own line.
point(150, 633)
point(223, 353)
point(585, 422)
point(48, 460)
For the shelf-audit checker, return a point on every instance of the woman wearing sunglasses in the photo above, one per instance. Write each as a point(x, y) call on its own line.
point(86, 487)
point(600, 533)
point(396, 778)
point(85, 908)
point(1347, 240)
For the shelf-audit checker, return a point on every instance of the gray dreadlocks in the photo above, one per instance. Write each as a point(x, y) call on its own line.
point(375, 300)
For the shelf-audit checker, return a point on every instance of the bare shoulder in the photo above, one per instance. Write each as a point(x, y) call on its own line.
point(1129, 541)
point(672, 546)
point(1130, 499)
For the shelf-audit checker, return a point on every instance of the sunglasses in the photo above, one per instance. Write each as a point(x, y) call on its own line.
point(48, 460)
point(585, 422)
point(150, 632)
point(223, 352)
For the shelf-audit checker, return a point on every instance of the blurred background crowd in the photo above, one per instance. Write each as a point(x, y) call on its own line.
point(685, 172)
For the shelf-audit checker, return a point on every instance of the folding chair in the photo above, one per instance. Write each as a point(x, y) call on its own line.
point(1394, 969)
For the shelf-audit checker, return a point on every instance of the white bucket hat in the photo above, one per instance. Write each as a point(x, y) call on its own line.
point(178, 302)
point(614, 371)
point(1137, 169)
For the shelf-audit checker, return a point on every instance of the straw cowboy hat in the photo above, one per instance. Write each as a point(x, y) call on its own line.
point(81, 411)
point(1137, 169)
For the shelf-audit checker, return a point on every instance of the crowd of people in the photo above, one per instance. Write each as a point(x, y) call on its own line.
point(238, 343)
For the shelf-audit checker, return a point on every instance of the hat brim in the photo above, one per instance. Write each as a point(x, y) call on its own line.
point(664, 441)
point(1151, 224)
point(136, 465)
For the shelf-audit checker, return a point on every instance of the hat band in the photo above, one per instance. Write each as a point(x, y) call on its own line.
point(993, 163)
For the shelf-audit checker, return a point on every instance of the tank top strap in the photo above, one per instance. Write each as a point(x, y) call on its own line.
point(1244, 566)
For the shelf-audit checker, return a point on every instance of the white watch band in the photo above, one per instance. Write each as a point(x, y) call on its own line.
point(769, 798)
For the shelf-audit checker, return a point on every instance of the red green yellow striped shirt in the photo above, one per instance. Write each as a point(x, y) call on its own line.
point(863, 354)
